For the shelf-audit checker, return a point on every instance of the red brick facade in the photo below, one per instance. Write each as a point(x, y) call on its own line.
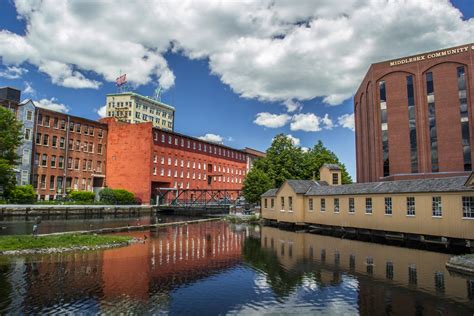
point(68, 154)
point(143, 159)
point(441, 147)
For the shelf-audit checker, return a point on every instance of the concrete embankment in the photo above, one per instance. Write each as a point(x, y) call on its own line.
point(86, 210)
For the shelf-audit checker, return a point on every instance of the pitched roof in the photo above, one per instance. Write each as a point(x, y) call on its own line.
point(302, 186)
point(453, 184)
point(332, 166)
point(270, 193)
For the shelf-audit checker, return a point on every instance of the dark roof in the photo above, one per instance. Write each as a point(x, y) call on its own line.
point(332, 166)
point(454, 184)
point(302, 186)
point(270, 193)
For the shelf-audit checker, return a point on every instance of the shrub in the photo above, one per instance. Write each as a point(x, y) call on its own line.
point(82, 196)
point(23, 194)
point(117, 196)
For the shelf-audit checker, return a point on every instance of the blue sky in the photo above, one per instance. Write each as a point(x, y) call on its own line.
point(228, 72)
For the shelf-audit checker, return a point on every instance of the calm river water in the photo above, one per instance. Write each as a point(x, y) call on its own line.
point(218, 268)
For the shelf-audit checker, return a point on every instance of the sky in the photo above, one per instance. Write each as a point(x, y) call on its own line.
point(237, 72)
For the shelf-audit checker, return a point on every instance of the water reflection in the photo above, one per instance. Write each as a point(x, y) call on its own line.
point(217, 268)
point(19, 225)
point(389, 279)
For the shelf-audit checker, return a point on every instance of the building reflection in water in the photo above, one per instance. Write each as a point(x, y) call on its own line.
point(137, 278)
point(391, 279)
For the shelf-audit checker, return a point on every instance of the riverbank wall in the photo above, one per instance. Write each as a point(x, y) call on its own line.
point(65, 210)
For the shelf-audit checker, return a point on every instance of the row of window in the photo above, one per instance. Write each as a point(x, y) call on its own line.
point(151, 109)
point(430, 95)
point(194, 176)
point(210, 167)
point(56, 183)
point(59, 142)
point(73, 127)
point(436, 205)
point(217, 150)
point(369, 264)
point(72, 163)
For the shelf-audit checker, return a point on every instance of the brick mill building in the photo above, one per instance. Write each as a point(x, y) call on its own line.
point(413, 117)
point(69, 153)
point(146, 160)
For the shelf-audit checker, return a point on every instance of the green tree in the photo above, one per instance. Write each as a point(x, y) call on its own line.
point(10, 139)
point(284, 161)
point(255, 184)
point(24, 194)
point(316, 157)
point(82, 196)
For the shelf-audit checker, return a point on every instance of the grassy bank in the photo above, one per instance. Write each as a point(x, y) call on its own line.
point(23, 242)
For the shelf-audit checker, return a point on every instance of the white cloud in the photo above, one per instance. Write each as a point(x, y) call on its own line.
point(304, 149)
point(271, 120)
point(292, 105)
point(296, 141)
point(212, 138)
point(29, 90)
point(269, 50)
point(52, 104)
point(13, 72)
point(346, 121)
point(310, 122)
point(101, 111)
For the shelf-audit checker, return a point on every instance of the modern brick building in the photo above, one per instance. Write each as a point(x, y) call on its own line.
point(132, 107)
point(413, 116)
point(145, 160)
point(69, 154)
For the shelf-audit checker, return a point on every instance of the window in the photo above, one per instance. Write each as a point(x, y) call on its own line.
point(265, 203)
point(351, 205)
point(25, 159)
point(62, 142)
point(45, 140)
point(55, 122)
point(46, 121)
point(70, 144)
point(468, 206)
point(389, 270)
point(432, 122)
point(77, 164)
point(335, 178)
point(44, 160)
point(54, 142)
point(27, 134)
point(282, 199)
point(290, 201)
point(323, 205)
point(29, 115)
point(384, 128)
point(78, 127)
point(90, 147)
point(51, 182)
point(63, 124)
point(99, 166)
point(466, 143)
point(411, 206)
point(40, 119)
point(99, 149)
point(336, 205)
point(436, 206)
point(38, 138)
point(69, 163)
point(53, 161)
point(272, 203)
point(43, 181)
point(24, 177)
point(78, 145)
point(71, 126)
point(368, 205)
point(388, 206)
point(310, 204)
point(100, 133)
point(412, 123)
